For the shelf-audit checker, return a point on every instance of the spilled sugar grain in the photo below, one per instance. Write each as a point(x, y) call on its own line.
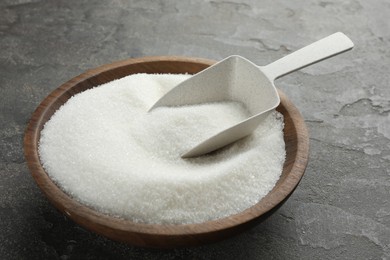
point(106, 151)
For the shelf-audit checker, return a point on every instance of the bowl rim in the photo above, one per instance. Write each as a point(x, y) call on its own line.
point(114, 227)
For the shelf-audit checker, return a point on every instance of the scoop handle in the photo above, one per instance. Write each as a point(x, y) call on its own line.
point(320, 50)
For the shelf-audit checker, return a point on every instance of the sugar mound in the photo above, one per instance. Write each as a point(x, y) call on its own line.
point(106, 151)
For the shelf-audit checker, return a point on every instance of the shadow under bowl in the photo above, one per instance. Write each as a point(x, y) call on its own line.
point(154, 235)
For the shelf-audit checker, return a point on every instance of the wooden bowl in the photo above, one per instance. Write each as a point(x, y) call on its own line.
point(162, 236)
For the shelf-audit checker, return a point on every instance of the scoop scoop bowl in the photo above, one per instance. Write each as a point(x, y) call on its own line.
point(238, 79)
point(295, 135)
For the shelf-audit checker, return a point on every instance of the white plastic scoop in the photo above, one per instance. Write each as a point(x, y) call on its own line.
point(238, 79)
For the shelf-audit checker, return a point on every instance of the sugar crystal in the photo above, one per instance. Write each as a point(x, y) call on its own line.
point(105, 150)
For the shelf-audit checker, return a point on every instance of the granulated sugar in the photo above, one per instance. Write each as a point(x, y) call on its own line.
point(106, 151)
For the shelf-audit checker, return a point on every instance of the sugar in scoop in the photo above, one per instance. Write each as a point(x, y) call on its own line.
point(104, 149)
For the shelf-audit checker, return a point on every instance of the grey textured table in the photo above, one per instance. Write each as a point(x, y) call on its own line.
point(341, 209)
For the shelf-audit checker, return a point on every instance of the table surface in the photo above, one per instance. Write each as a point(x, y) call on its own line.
point(340, 210)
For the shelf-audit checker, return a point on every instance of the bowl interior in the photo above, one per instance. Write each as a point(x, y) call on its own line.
point(162, 236)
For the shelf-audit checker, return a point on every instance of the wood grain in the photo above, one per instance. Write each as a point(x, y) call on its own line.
point(162, 236)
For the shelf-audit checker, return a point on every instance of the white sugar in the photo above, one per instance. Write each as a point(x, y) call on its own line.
point(106, 151)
